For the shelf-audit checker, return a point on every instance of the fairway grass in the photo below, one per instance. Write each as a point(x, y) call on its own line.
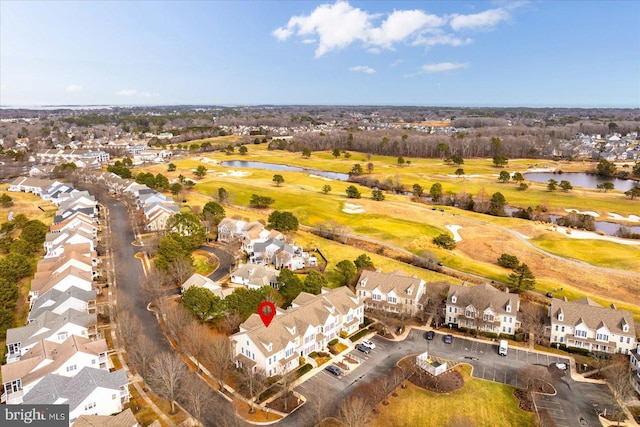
point(409, 225)
point(481, 402)
point(28, 204)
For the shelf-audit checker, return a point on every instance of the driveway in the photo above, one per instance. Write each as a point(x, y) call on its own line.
point(225, 259)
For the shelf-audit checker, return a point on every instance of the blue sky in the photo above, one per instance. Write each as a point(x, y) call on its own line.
point(445, 53)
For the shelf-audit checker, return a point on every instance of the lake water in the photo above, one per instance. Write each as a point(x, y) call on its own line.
point(578, 179)
point(283, 168)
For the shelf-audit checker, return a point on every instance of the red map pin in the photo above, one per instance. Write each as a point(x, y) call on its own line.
point(267, 311)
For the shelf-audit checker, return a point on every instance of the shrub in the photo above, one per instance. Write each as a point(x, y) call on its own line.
point(333, 341)
point(344, 334)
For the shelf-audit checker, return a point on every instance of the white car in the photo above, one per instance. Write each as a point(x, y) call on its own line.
point(561, 366)
point(369, 344)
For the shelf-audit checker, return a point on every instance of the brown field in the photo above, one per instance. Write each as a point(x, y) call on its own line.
point(27, 203)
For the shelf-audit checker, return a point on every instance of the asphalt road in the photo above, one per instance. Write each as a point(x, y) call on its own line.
point(128, 271)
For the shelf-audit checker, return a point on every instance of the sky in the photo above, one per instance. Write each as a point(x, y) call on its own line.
point(423, 53)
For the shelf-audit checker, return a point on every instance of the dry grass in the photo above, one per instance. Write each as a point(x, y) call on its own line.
point(27, 204)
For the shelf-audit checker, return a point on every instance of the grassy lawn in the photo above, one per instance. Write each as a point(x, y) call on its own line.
point(410, 225)
point(204, 263)
point(482, 402)
point(28, 204)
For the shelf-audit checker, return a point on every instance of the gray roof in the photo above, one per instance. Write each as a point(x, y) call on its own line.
point(54, 298)
point(49, 322)
point(592, 314)
point(64, 214)
point(261, 246)
point(74, 390)
point(484, 295)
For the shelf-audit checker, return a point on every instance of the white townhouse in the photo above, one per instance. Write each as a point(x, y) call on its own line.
point(50, 327)
point(90, 392)
point(158, 215)
point(395, 292)
point(483, 307)
point(255, 276)
point(31, 185)
point(77, 220)
point(248, 233)
point(307, 326)
point(54, 242)
point(61, 281)
point(58, 302)
point(586, 324)
point(65, 359)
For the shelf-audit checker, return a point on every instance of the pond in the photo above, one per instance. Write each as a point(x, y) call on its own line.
point(580, 179)
point(283, 168)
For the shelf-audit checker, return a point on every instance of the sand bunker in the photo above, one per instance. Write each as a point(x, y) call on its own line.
point(630, 218)
point(350, 208)
point(581, 234)
point(590, 213)
point(454, 230)
point(236, 174)
point(208, 160)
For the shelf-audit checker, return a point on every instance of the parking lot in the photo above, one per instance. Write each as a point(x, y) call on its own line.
point(569, 408)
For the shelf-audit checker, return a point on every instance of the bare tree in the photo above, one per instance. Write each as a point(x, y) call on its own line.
point(219, 356)
point(355, 411)
point(319, 410)
point(397, 376)
point(618, 375)
point(195, 339)
point(533, 319)
point(231, 323)
point(436, 294)
point(177, 319)
point(142, 353)
point(197, 395)
point(152, 288)
point(286, 381)
point(253, 382)
point(167, 372)
point(181, 269)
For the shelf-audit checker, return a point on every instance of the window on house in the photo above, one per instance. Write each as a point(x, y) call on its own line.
point(71, 368)
point(621, 339)
point(556, 328)
point(602, 337)
point(580, 333)
point(391, 300)
point(562, 330)
point(89, 406)
point(508, 309)
point(454, 299)
point(113, 397)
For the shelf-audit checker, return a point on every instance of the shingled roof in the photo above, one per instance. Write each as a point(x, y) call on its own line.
point(403, 285)
point(486, 294)
point(592, 314)
point(307, 310)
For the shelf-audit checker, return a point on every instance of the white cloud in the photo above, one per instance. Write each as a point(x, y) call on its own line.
point(336, 26)
point(479, 21)
point(362, 69)
point(134, 92)
point(73, 88)
point(443, 66)
point(401, 25)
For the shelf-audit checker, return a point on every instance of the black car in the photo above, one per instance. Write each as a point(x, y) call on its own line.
point(334, 370)
point(430, 335)
point(448, 339)
point(549, 295)
point(363, 348)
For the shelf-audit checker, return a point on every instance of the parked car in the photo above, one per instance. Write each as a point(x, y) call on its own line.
point(363, 348)
point(561, 366)
point(440, 264)
point(430, 335)
point(369, 344)
point(334, 370)
point(448, 339)
point(549, 295)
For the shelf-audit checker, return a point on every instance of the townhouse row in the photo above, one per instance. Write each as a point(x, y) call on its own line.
point(60, 356)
